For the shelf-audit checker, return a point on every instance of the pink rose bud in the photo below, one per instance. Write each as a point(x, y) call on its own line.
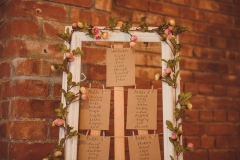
point(180, 131)
point(189, 106)
point(132, 44)
point(167, 31)
point(58, 122)
point(174, 136)
point(84, 96)
point(168, 70)
point(69, 56)
point(170, 28)
point(172, 22)
point(57, 153)
point(83, 90)
point(80, 24)
point(157, 76)
point(74, 25)
point(53, 68)
point(170, 36)
point(133, 38)
point(190, 145)
point(45, 159)
point(105, 35)
point(98, 36)
point(95, 30)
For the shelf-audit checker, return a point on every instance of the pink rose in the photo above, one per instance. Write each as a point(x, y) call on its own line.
point(174, 136)
point(57, 153)
point(95, 30)
point(170, 36)
point(133, 38)
point(170, 28)
point(167, 31)
point(74, 25)
point(58, 122)
point(98, 36)
point(167, 71)
point(84, 96)
point(69, 56)
point(190, 145)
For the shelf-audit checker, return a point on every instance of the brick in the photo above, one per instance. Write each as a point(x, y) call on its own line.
point(194, 39)
point(222, 142)
point(222, 154)
point(206, 116)
point(56, 90)
point(232, 44)
point(209, 29)
point(153, 60)
point(94, 72)
point(233, 116)
point(196, 155)
point(94, 56)
point(198, 101)
point(236, 10)
point(207, 53)
point(30, 150)
point(231, 33)
point(220, 129)
point(206, 78)
point(187, 51)
point(39, 67)
point(206, 89)
point(25, 88)
point(228, 56)
point(233, 92)
point(34, 108)
point(236, 22)
point(92, 18)
point(105, 5)
point(185, 63)
point(220, 116)
point(2, 50)
point(220, 19)
point(4, 150)
point(36, 9)
point(51, 29)
point(188, 13)
point(141, 5)
point(193, 116)
point(207, 142)
point(193, 129)
point(147, 72)
point(218, 42)
point(234, 142)
point(182, 2)
point(191, 87)
point(5, 70)
point(54, 132)
point(186, 76)
point(215, 102)
point(85, 3)
point(213, 66)
point(230, 80)
point(122, 13)
point(20, 27)
point(201, 15)
point(219, 90)
point(166, 8)
point(152, 19)
point(24, 48)
point(226, 8)
point(4, 109)
point(206, 5)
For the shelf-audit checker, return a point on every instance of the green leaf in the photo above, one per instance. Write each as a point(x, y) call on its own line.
point(112, 23)
point(70, 96)
point(69, 78)
point(164, 60)
point(171, 157)
point(169, 125)
point(63, 91)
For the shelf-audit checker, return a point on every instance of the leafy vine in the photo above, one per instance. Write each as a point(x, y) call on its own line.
point(167, 32)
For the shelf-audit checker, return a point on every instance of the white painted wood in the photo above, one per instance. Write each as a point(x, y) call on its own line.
point(75, 68)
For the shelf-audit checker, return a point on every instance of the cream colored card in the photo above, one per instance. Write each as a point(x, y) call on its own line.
point(120, 67)
point(142, 109)
point(144, 147)
point(94, 148)
point(95, 111)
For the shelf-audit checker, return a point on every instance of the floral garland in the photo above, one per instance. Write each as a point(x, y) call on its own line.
point(167, 32)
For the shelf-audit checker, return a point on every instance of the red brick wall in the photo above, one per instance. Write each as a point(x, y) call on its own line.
point(29, 91)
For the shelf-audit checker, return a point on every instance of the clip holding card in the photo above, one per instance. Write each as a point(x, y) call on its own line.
point(151, 89)
point(112, 47)
point(133, 135)
point(90, 86)
point(154, 134)
point(84, 77)
point(103, 135)
point(135, 87)
point(103, 88)
point(86, 134)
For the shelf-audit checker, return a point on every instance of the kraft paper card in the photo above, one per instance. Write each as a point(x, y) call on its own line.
point(142, 109)
point(94, 148)
point(95, 111)
point(120, 67)
point(144, 147)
